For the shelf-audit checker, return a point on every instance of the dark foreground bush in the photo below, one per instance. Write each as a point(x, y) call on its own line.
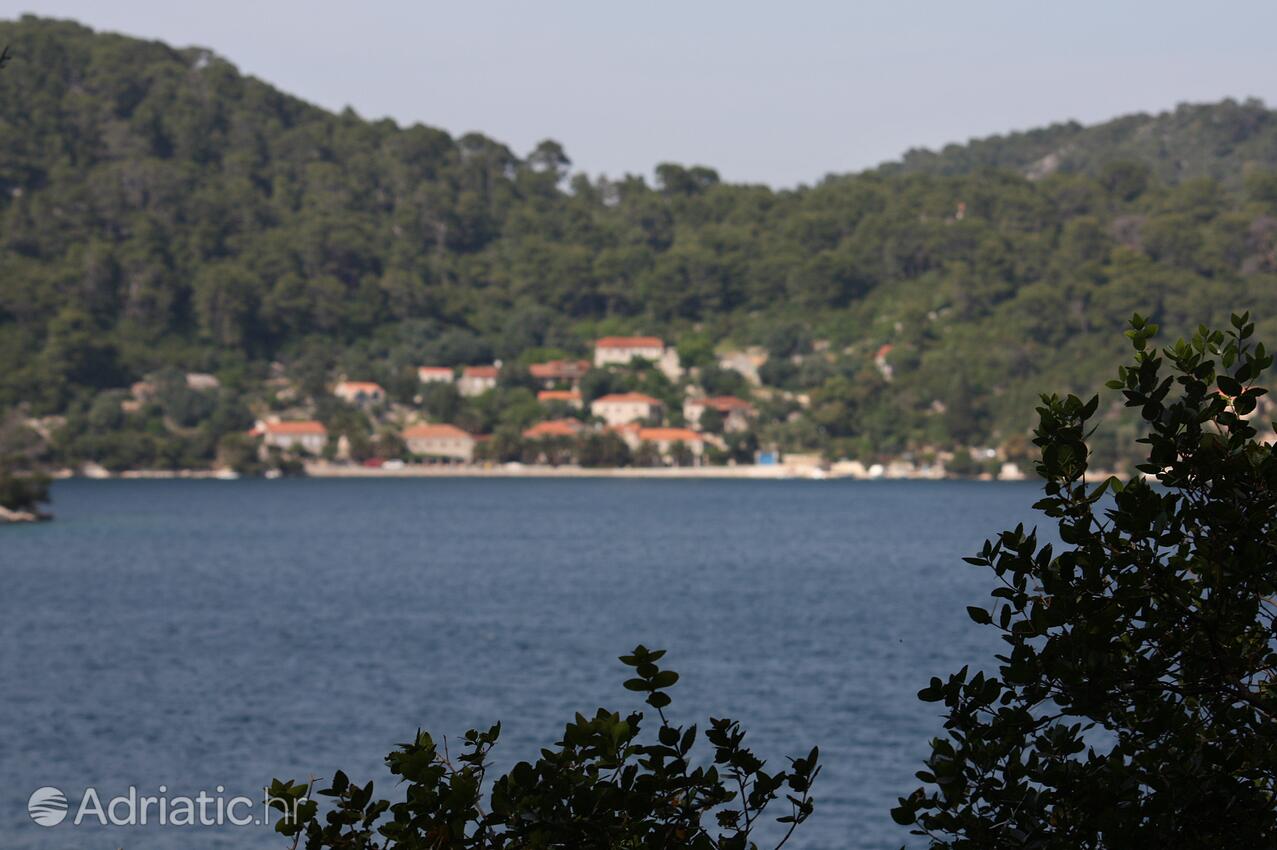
point(600, 787)
point(1134, 705)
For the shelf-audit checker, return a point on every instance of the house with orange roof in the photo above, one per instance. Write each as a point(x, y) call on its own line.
point(880, 360)
point(666, 438)
point(446, 442)
point(305, 435)
point(435, 374)
point(627, 432)
point(554, 428)
point(361, 393)
point(620, 350)
point(572, 398)
point(736, 412)
point(555, 372)
point(477, 380)
point(620, 408)
point(143, 391)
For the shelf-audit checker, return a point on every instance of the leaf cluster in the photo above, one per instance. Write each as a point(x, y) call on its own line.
point(1134, 703)
point(603, 785)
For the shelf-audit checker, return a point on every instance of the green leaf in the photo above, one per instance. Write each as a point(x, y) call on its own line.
point(664, 679)
point(658, 700)
point(903, 814)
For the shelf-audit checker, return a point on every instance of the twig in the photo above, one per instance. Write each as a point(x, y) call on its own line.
point(309, 787)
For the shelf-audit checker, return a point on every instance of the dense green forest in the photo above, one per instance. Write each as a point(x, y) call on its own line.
point(161, 211)
point(1220, 140)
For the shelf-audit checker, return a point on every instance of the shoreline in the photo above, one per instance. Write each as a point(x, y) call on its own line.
point(12, 517)
point(777, 472)
point(773, 473)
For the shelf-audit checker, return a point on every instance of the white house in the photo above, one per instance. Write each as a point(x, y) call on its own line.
point(620, 350)
point(572, 398)
point(477, 380)
point(306, 435)
point(434, 374)
point(202, 381)
point(620, 408)
point(736, 412)
point(440, 441)
point(880, 360)
point(665, 438)
point(554, 428)
point(554, 372)
point(360, 392)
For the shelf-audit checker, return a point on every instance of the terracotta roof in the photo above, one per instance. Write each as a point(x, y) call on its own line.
point(632, 398)
point(559, 395)
point(630, 342)
point(553, 428)
point(434, 370)
point(359, 386)
point(883, 351)
point(435, 432)
point(306, 426)
point(480, 371)
point(656, 435)
point(553, 369)
point(725, 403)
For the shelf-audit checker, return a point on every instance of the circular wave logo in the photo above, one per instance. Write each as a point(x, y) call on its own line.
point(47, 806)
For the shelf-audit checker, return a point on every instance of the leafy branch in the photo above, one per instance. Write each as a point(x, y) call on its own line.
point(601, 786)
point(1134, 703)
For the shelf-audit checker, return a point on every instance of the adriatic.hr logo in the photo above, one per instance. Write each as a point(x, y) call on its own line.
point(47, 806)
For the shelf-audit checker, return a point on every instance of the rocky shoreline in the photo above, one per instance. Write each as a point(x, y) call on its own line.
point(8, 516)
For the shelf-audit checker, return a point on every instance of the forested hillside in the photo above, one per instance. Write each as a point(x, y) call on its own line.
point(159, 209)
point(1222, 141)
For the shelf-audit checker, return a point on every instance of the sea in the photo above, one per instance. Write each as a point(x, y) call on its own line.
point(183, 637)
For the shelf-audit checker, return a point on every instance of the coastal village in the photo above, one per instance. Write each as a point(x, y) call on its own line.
point(611, 405)
point(639, 421)
point(576, 428)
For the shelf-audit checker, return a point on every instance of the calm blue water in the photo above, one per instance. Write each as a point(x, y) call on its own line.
point(205, 633)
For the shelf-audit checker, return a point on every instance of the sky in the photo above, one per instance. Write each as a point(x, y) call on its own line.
point(768, 92)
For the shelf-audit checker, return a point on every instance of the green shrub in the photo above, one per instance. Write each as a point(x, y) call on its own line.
point(601, 787)
point(1134, 705)
point(23, 491)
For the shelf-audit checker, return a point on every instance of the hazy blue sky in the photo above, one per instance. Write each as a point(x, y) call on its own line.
point(776, 92)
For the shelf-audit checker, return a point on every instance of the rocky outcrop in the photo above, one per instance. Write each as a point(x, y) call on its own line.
point(8, 516)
